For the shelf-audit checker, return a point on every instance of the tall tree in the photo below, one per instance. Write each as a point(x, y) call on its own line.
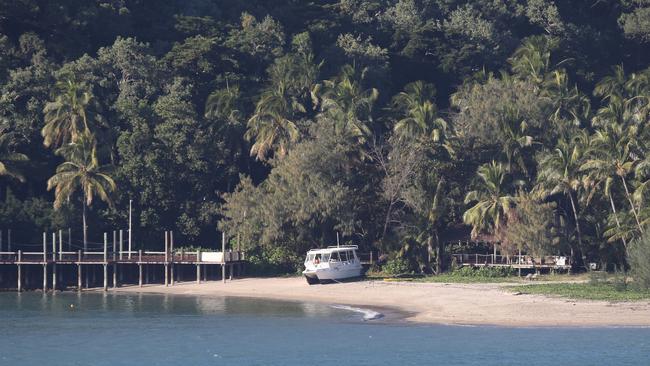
point(419, 113)
point(560, 171)
point(66, 118)
point(81, 172)
point(348, 104)
point(491, 201)
point(9, 157)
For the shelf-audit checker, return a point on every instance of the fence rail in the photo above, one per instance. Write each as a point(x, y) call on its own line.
point(512, 260)
point(121, 257)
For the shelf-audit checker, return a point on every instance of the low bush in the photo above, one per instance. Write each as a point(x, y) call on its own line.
point(273, 261)
point(396, 266)
point(485, 272)
point(639, 259)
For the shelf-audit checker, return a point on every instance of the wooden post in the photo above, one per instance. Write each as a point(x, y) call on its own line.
point(114, 244)
point(139, 267)
point(223, 256)
point(105, 247)
point(53, 277)
point(60, 244)
point(20, 281)
point(130, 229)
point(166, 246)
point(370, 256)
point(121, 243)
point(79, 271)
point(53, 246)
point(44, 277)
point(105, 277)
point(166, 274)
point(114, 275)
point(9, 239)
point(171, 244)
point(1, 240)
point(165, 266)
point(171, 268)
point(519, 262)
point(69, 239)
point(44, 247)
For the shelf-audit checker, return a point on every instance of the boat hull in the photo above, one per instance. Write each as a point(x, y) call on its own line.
point(332, 274)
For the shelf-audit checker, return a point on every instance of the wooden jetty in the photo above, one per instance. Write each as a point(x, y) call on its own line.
point(113, 261)
point(519, 262)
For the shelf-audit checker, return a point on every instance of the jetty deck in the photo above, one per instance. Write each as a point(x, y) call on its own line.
point(550, 263)
point(116, 262)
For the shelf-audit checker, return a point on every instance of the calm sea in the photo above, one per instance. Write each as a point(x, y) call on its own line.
point(120, 329)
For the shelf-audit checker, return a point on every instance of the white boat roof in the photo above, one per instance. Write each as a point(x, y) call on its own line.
point(333, 249)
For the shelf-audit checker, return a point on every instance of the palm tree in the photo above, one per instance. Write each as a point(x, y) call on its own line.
point(420, 113)
point(532, 59)
point(66, 117)
point(560, 172)
point(514, 139)
point(347, 104)
point(611, 156)
point(8, 157)
point(81, 171)
point(222, 104)
point(273, 125)
point(491, 201)
point(569, 104)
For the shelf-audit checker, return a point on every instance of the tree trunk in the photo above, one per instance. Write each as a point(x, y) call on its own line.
point(575, 216)
point(618, 224)
point(429, 251)
point(85, 227)
point(388, 212)
point(627, 194)
point(440, 252)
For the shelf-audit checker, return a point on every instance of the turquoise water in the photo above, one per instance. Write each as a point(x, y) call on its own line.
point(125, 329)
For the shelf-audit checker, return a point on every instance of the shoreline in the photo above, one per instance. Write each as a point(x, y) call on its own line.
point(427, 303)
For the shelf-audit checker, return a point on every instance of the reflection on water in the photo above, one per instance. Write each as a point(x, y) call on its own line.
point(131, 329)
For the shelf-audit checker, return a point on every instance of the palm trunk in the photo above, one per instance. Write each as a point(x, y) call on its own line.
point(429, 249)
point(575, 216)
point(629, 198)
point(440, 252)
point(618, 224)
point(85, 227)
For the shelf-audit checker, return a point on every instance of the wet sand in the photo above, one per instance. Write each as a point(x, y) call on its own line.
point(438, 303)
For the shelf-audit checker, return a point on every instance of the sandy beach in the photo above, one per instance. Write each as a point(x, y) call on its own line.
point(439, 303)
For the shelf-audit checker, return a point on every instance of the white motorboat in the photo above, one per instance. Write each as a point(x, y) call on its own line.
point(332, 264)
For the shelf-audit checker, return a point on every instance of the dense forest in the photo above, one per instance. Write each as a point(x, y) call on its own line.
point(400, 124)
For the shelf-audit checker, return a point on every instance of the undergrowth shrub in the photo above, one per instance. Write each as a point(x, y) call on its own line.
point(487, 272)
point(639, 259)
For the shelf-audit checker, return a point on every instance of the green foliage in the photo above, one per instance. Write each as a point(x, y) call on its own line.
point(639, 258)
point(586, 291)
point(185, 98)
point(268, 261)
point(483, 272)
point(396, 266)
point(532, 228)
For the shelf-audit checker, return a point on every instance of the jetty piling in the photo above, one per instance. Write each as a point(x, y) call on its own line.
point(109, 261)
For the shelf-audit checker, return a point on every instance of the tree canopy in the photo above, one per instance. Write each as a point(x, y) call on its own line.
point(399, 124)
